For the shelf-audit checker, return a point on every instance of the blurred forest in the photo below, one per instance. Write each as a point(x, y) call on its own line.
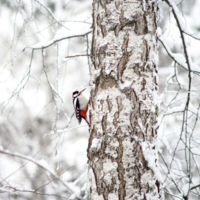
point(44, 58)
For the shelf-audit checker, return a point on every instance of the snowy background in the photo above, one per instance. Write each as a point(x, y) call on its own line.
point(36, 83)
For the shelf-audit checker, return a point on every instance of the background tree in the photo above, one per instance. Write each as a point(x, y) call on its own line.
point(42, 150)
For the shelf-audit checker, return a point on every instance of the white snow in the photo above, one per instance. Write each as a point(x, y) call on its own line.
point(124, 85)
point(95, 143)
point(151, 155)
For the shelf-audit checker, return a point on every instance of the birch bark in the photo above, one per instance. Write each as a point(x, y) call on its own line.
point(122, 151)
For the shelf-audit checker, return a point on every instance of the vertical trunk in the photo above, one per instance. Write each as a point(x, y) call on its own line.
point(122, 153)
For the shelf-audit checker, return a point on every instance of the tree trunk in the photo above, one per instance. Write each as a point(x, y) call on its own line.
point(122, 151)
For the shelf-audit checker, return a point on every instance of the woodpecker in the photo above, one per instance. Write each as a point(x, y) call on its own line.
point(80, 105)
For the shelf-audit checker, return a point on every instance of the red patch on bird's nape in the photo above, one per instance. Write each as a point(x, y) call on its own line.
point(72, 95)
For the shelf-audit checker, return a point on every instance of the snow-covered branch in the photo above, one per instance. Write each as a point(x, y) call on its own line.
point(180, 59)
point(80, 55)
point(176, 14)
point(39, 164)
point(45, 44)
point(180, 115)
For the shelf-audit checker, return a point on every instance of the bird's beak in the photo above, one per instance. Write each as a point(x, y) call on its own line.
point(82, 91)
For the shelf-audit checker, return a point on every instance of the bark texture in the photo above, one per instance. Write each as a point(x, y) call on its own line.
point(122, 152)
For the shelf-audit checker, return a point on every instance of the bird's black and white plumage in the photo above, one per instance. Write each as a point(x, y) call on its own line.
point(80, 106)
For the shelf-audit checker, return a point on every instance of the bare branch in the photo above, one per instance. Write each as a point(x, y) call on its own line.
point(49, 11)
point(191, 35)
point(39, 165)
point(20, 86)
point(14, 189)
point(51, 180)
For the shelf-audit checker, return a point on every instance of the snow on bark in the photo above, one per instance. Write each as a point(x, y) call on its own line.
point(122, 149)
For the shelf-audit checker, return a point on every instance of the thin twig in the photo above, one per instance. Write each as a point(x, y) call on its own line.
point(32, 191)
point(49, 11)
point(38, 164)
point(77, 55)
point(191, 35)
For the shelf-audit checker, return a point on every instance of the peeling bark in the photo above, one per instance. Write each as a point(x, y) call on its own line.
point(123, 105)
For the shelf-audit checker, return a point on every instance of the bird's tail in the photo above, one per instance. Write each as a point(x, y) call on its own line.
point(87, 121)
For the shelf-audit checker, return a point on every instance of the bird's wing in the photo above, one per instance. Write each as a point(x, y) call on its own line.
point(77, 109)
